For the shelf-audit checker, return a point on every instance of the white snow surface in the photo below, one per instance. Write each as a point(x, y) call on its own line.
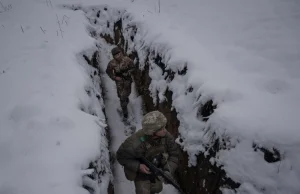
point(46, 141)
point(244, 55)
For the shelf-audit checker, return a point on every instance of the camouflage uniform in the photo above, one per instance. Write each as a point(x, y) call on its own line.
point(122, 69)
point(142, 144)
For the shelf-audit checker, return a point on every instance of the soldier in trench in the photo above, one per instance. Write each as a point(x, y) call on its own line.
point(120, 69)
point(156, 144)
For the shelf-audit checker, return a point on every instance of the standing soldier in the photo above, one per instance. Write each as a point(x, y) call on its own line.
point(154, 143)
point(119, 69)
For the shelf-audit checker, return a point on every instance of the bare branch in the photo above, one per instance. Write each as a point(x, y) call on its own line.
point(158, 6)
point(65, 20)
point(5, 8)
point(61, 31)
point(2, 6)
point(62, 21)
point(22, 29)
point(44, 31)
point(51, 3)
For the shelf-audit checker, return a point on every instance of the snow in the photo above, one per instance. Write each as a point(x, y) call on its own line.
point(45, 139)
point(243, 55)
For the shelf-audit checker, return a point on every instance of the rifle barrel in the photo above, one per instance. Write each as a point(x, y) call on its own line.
point(159, 172)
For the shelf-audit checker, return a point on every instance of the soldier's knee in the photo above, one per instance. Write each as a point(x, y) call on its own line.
point(156, 187)
point(142, 187)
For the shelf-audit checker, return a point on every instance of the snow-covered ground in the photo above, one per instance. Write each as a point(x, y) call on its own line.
point(244, 55)
point(46, 141)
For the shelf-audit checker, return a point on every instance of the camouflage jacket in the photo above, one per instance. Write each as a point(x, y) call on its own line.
point(121, 69)
point(136, 146)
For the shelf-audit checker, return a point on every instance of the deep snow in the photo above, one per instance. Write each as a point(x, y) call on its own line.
point(234, 54)
point(46, 141)
point(244, 55)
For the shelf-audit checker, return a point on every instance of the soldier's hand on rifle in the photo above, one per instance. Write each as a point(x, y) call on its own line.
point(144, 169)
point(118, 78)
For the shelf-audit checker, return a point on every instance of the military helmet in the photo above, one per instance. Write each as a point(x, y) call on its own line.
point(153, 121)
point(115, 51)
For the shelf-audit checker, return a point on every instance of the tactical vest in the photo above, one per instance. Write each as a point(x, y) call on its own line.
point(155, 150)
point(150, 152)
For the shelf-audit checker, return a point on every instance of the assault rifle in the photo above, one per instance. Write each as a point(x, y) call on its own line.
point(158, 172)
point(120, 72)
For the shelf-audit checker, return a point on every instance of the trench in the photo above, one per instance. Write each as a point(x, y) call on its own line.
point(205, 177)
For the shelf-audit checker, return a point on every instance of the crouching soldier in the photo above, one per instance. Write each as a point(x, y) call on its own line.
point(154, 143)
point(120, 69)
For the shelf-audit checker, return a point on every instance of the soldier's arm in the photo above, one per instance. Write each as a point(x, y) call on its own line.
point(128, 66)
point(110, 71)
point(126, 157)
point(173, 152)
point(131, 66)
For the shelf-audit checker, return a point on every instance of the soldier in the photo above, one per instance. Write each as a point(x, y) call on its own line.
point(119, 69)
point(154, 143)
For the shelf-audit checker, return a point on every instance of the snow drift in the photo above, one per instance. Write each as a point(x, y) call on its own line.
point(48, 135)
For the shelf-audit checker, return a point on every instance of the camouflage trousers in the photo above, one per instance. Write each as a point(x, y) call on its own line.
point(146, 187)
point(124, 90)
